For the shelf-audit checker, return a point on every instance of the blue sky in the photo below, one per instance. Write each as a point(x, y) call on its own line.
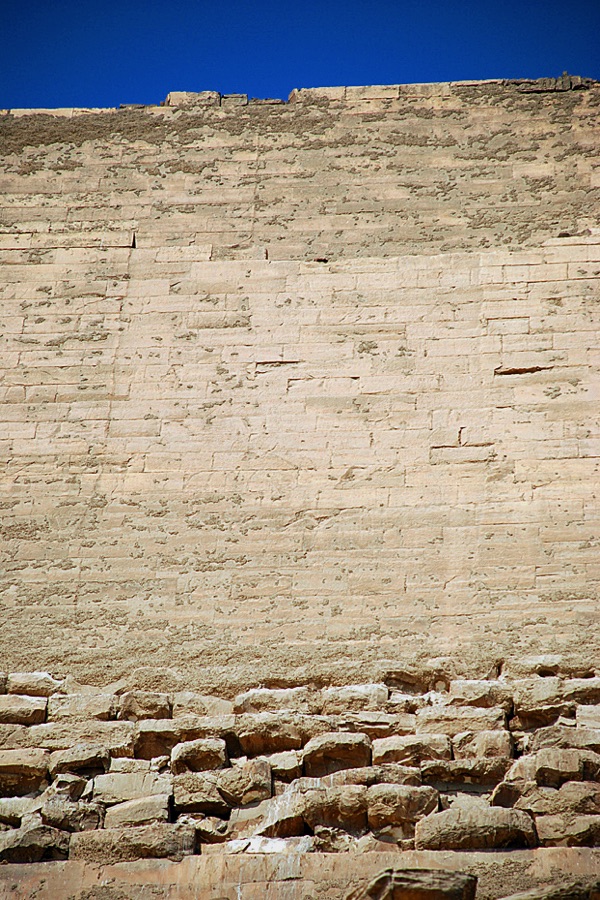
point(66, 53)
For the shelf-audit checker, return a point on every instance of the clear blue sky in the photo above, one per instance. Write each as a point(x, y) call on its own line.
point(67, 53)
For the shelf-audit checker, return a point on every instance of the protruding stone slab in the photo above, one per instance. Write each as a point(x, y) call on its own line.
point(331, 752)
point(16, 709)
point(412, 750)
point(396, 804)
point(142, 811)
point(34, 684)
point(136, 705)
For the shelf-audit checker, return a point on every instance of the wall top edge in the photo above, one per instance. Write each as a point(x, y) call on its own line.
point(319, 95)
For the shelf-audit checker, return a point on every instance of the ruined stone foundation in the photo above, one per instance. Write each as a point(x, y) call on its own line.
point(299, 497)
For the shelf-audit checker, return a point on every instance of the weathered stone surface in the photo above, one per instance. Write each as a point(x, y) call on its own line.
point(560, 736)
point(588, 716)
point(387, 773)
point(197, 756)
point(141, 811)
point(568, 831)
point(470, 692)
point(27, 845)
point(118, 787)
point(186, 703)
point(396, 804)
point(117, 737)
point(417, 884)
point(571, 890)
point(540, 701)
point(136, 705)
point(339, 807)
point(284, 816)
point(199, 792)
point(331, 752)
point(452, 720)
point(22, 771)
point(554, 767)
point(354, 697)
point(158, 841)
point(572, 797)
point(465, 771)
point(483, 744)
point(157, 737)
point(71, 816)
point(412, 750)
point(14, 809)
point(19, 710)
point(247, 783)
point(34, 684)
point(86, 759)
point(285, 766)
point(480, 829)
point(82, 706)
point(263, 699)
point(268, 733)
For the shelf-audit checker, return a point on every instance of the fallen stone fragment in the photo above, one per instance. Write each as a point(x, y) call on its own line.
point(136, 705)
point(119, 787)
point(22, 771)
point(568, 831)
point(114, 845)
point(247, 783)
point(33, 844)
point(142, 811)
point(354, 697)
point(418, 884)
point(493, 828)
point(84, 759)
point(452, 720)
point(484, 744)
point(198, 756)
point(343, 807)
point(464, 771)
point(412, 750)
point(331, 752)
point(396, 804)
point(34, 684)
point(72, 816)
point(100, 706)
point(18, 710)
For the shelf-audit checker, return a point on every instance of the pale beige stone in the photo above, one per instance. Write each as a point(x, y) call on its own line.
point(22, 710)
point(140, 811)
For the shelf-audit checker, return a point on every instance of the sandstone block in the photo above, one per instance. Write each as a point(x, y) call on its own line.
point(564, 736)
point(142, 811)
point(443, 772)
point(187, 703)
point(156, 737)
point(285, 766)
point(85, 759)
point(451, 720)
point(197, 756)
point(247, 783)
point(209, 829)
point(14, 809)
point(412, 750)
point(331, 752)
point(27, 845)
point(354, 697)
point(397, 804)
point(199, 792)
point(114, 845)
point(263, 699)
point(475, 829)
point(588, 716)
point(387, 773)
point(34, 684)
point(71, 816)
point(464, 692)
point(342, 807)
point(539, 701)
point(119, 787)
point(568, 830)
point(63, 707)
point(419, 884)
point(136, 705)
point(19, 710)
point(22, 771)
point(377, 724)
point(268, 733)
point(117, 737)
point(554, 767)
point(284, 817)
point(582, 690)
point(573, 797)
point(483, 745)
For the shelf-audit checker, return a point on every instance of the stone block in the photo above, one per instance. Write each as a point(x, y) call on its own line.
point(483, 745)
point(340, 807)
point(263, 699)
point(186, 703)
point(68, 815)
point(588, 717)
point(285, 766)
point(475, 829)
point(157, 737)
point(22, 771)
point(354, 697)
point(268, 733)
point(555, 767)
point(34, 684)
point(464, 692)
point(397, 804)
point(283, 818)
point(387, 773)
point(199, 792)
point(412, 750)
point(419, 884)
point(247, 783)
point(33, 844)
point(64, 707)
point(484, 772)
point(452, 720)
point(568, 830)
point(119, 787)
point(84, 759)
point(20, 710)
point(136, 705)
point(197, 756)
point(115, 845)
point(331, 752)
point(141, 811)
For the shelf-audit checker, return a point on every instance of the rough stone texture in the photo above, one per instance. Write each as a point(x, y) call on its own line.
point(393, 884)
point(157, 841)
point(475, 829)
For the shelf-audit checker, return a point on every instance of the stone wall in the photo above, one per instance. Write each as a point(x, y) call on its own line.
point(299, 397)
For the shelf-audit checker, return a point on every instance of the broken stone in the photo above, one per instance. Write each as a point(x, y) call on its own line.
point(158, 841)
point(464, 771)
point(142, 811)
point(82, 706)
point(199, 792)
point(568, 831)
point(286, 765)
point(418, 884)
point(331, 752)
point(34, 684)
point(136, 705)
point(284, 817)
point(573, 797)
point(452, 720)
point(482, 693)
point(572, 890)
point(247, 783)
point(209, 829)
point(353, 698)
point(582, 690)
point(198, 756)
point(340, 807)
point(332, 840)
point(18, 710)
point(86, 759)
point(412, 750)
point(539, 701)
point(33, 844)
point(483, 745)
point(65, 787)
point(14, 809)
point(561, 736)
point(268, 733)
point(493, 828)
point(396, 804)
point(554, 767)
point(22, 771)
point(71, 816)
point(118, 787)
